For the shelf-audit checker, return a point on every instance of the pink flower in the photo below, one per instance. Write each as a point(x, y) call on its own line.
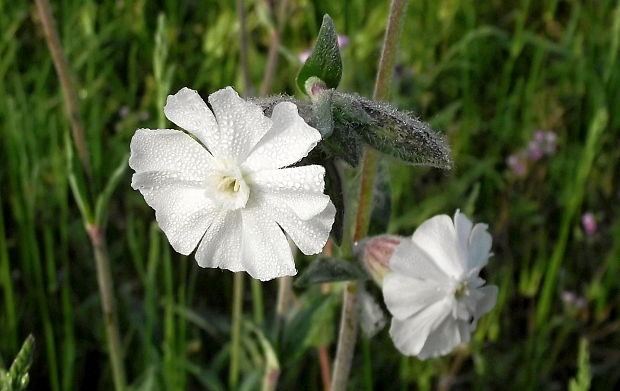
point(517, 164)
point(377, 252)
point(588, 222)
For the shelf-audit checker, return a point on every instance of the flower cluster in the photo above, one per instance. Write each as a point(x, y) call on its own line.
point(225, 187)
point(543, 144)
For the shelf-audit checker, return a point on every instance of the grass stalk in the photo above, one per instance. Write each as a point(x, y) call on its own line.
point(108, 304)
point(349, 317)
point(64, 76)
point(244, 60)
point(235, 339)
point(94, 230)
point(274, 47)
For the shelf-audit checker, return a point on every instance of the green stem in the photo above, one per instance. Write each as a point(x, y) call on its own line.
point(235, 340)
point(64, 76)
point(10, 339)
point(108, 305)
point(95, 231)
point(349, 321)
point(257, 302)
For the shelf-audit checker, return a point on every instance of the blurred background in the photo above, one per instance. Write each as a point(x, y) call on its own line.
point(526, 92)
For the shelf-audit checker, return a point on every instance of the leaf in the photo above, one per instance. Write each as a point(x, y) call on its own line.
point(325, 269)
point(17, 378)
point(104, 198)
point(324, 62)
point(388, 130)
point(299, 325)
point(583, 379)
point(381, 200)
point(344, 144)
point(333, 188)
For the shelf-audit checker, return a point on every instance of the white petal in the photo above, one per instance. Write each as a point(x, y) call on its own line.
point(406, 296)
point(182, 210)
point(442, 340)
point(309, 235)
point(372, 318)
point(463, 226)
point(299, 188)
point(188, 111)
point(266, 252)
point(287, 142)
point(221, 244)
point(488, 300)
point(437, 237)
point(242, 124)
point(479, 247)
point(409, 335)
point(168, 150)
point(410, 260)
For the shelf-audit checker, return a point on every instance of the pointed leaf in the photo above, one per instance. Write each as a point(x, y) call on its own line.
point(391, 131)
point(324, 62)
point(325, 269)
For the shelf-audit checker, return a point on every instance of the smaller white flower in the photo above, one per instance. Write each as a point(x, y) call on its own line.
point(225, 187)
point(433, 290)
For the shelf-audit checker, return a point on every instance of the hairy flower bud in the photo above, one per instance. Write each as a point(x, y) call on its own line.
point(376, 252)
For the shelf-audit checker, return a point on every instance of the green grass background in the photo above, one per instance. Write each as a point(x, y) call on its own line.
point(487, 74)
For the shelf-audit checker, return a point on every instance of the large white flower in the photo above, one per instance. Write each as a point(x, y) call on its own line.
point(224, 187)
point(433, 290)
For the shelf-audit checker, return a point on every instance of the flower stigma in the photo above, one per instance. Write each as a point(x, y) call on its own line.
point(462, 289)
point(227, 186)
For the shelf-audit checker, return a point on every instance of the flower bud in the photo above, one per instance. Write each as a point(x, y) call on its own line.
point(376, 252)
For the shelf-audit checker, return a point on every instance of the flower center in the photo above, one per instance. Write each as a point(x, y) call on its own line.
point(227, 186)
point(461, 290)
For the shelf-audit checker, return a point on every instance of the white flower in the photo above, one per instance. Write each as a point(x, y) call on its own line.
point(433, 290)
point(225, 190)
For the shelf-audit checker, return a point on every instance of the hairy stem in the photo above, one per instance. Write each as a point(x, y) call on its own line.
point(108, 305)
point(349, 317)
point(64, 76)
point(235, 339)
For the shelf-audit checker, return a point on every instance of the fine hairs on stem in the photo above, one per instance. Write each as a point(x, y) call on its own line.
point(349, 322)
point(94, 228)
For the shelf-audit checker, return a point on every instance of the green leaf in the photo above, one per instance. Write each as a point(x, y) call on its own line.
point(325, 269)
point(299, 324)
point(382, 200)
point(324, 62)
point(581, 382)
point(333, 188)
point(388, 130)
point(104, 198)
point(17, 378)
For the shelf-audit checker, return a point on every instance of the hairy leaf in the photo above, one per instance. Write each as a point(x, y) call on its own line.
point(324, 62)
point(325, 269)
point(393, 132)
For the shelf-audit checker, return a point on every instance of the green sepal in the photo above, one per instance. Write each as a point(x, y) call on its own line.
point(326, 269)
point(325, 61)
